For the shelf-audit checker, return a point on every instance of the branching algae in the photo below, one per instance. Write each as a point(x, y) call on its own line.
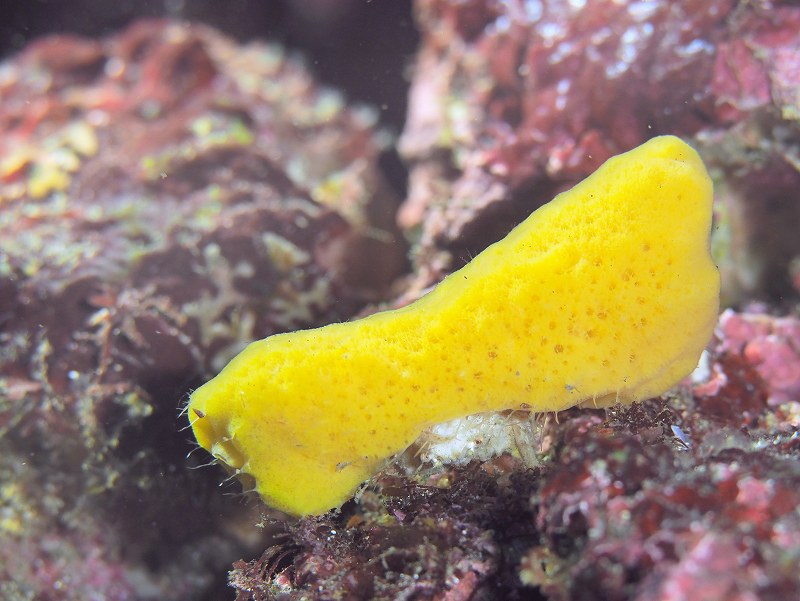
point(608, 293)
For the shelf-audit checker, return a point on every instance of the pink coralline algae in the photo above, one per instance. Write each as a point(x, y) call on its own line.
point(514, 101)
point(770, 345)
point(758, 66)
point(627, 519)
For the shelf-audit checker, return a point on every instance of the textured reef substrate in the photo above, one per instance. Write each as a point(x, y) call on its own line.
point(167, 195)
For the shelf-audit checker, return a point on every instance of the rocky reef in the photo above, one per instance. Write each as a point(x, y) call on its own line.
point(515, 101)
point(167, 195)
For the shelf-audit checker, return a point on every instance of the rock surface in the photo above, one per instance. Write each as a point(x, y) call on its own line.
point(513, 102)
point(165, 197)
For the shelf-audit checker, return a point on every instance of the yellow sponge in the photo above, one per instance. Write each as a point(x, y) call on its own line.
point(608, 293)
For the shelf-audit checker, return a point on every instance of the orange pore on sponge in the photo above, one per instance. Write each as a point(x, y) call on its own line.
point(608, 293)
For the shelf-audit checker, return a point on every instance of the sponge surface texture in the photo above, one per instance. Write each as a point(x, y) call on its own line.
point(606, 294)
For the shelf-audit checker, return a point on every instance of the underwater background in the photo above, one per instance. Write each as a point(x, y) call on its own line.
point(180, 178)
